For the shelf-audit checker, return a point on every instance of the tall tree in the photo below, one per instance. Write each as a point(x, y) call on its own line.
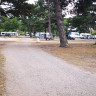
point(85, 15)
point(56, 5)
point(49, 18)
point(16, 8)
point(62, 34)
point(46, 10)
point(8, 24)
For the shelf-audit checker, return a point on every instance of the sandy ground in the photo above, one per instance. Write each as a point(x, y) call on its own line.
point(2, 39)
point(32, 72)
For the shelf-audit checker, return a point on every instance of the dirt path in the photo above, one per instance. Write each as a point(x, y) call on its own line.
point(32, 72)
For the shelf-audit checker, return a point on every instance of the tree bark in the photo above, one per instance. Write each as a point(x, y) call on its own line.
point(49, 25)
point(62, 34)
point(49, 20)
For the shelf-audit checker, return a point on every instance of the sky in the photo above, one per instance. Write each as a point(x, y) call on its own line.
point(32, 1)
point(70, 7)
point(29, 1)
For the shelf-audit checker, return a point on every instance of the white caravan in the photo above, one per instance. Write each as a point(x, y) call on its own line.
point(11, 33)
point(42, 35)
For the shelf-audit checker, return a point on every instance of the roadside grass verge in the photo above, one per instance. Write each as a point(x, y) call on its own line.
point(82, 55)
point(1, 72)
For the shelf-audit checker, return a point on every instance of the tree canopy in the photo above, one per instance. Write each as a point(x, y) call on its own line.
point(46, 15)
point(10, 24)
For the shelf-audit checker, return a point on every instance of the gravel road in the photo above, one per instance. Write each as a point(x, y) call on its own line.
point(32, 72)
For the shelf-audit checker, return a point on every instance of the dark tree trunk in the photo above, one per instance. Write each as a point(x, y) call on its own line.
point(49, 20)
point(49, 26)
point(45, 29)
point(62, 34)
point(32, 32)
point(30, 28)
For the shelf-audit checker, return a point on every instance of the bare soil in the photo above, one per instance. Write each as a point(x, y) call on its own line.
point(82, 55)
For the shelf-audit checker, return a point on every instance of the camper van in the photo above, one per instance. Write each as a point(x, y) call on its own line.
point(43, 35)
point(73, 35)
point(9, 33)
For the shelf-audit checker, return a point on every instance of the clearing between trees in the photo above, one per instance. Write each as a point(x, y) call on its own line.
point(82, 55)
point(33, 72)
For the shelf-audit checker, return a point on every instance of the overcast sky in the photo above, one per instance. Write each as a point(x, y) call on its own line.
point(32, 1)
point(29, 1)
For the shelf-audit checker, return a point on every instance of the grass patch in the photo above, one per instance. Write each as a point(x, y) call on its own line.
point(83, 55)
point(1, 72)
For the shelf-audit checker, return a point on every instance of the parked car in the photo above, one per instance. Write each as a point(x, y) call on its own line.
point(27, 34)
point(69, 37)
point(73, 35)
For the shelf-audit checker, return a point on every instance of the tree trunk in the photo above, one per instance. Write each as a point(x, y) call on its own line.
point(62, 34)
point(45, 29)
point(49, 20)
point(32, 31)
point(49, 26)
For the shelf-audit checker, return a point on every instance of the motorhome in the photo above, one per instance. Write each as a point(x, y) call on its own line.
point(42, 35)
point(9, 33)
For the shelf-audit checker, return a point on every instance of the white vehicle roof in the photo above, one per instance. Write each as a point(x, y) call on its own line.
point(85, 34)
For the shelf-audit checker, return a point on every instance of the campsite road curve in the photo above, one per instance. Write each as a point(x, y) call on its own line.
point(32, 72)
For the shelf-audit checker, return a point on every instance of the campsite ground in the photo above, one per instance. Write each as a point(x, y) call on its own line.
point(2, 79)
point(81, 53)
point(31, 71)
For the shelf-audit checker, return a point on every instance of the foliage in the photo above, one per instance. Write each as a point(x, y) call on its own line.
point(82, 6)
point(10, 24)
point(35, 17)
point(94, 32)
point(16, 8)
point(86, 16)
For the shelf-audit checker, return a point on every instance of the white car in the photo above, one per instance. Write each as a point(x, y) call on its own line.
point(74, 34)
point(85, 35)
point(27, 34)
